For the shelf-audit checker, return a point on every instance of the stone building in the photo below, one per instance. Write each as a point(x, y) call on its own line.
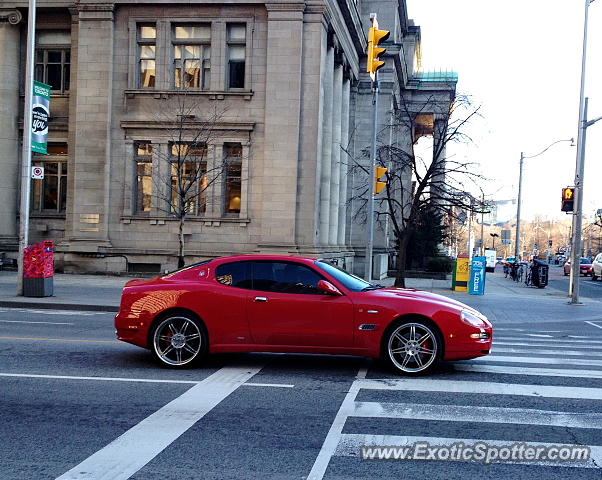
point(287, 77)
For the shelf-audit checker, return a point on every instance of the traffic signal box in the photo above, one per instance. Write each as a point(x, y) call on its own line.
point(375, 37)
point(378, 173)
point(568, 199)
point(38, 270)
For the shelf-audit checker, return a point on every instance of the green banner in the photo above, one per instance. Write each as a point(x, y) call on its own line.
point(40, 113)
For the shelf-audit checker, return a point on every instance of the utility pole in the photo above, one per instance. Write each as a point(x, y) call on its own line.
point(580, 172)
point(26, 152)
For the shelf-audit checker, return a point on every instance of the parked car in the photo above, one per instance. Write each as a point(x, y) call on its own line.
point(273, 303)
point(597, 267)
point(585, 266)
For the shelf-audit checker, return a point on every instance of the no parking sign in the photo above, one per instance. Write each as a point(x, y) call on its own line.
point(37, 173)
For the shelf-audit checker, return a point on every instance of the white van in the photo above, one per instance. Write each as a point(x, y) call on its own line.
point(490, 256)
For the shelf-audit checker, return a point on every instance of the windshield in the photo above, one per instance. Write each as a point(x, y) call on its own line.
point(351, 282)
point(585, 260)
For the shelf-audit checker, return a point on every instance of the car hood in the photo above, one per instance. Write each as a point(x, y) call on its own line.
point(420, 295)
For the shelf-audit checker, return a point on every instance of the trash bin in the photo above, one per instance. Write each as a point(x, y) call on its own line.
point(539, 273)
point(38, 270)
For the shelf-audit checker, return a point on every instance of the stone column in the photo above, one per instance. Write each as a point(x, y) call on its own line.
point(282, 122)
point(9, 131)
point(335, 171)
point(438, 181)
point(344, 161)
point(326, 147)
point(93, 95)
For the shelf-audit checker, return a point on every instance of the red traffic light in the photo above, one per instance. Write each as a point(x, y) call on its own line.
point(568, 197)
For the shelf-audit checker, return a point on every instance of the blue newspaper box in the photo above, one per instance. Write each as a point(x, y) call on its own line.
point(476, 282)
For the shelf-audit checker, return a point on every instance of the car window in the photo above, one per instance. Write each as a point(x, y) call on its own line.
point(285, 277)
point(585, 260)
point(351, 282)
point(235, 274)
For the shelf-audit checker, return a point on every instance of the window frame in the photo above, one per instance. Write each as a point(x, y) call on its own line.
point(205, 46)
point(231, 160)
point(201, 204)
point(145, 42)
point(62, 179)
point(145, 159)
point(65, 66)
point(236, 43)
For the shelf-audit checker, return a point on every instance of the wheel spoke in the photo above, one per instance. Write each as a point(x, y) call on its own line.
point(412, 332)
point(405, 361)
point(426, 351)
point(423, 338)
point(418, 361)
point(189, 349)
point(192, 336)
point(167, 350)
point(172, 329)
point(165, 338)
point(395, 351)
point(401, 339)
point(179, 354)
point(184, 327)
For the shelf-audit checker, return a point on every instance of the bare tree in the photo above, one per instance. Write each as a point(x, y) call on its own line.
point(415, 185)
point(185, 169)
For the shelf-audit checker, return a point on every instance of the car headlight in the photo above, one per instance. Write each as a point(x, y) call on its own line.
point(473, 320)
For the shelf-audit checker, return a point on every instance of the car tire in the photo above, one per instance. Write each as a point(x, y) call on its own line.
point(412, 347)
point(179, 340)
point(566, 274)
point(594, 276)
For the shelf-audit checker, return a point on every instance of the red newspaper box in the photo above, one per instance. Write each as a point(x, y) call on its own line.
point(38, 270)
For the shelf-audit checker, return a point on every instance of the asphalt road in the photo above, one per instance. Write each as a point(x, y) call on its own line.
point(78, 404)
point(587, 287)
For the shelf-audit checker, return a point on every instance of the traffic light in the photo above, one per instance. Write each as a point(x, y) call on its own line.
point(568, 197)
point(378, 173)
point(375, 37)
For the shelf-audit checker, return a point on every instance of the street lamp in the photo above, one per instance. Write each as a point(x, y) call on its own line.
point(493, 236)
point(579, 173)
point(520, 188)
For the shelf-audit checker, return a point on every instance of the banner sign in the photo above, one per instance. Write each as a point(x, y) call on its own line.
point(40, 111)
point(476, 285)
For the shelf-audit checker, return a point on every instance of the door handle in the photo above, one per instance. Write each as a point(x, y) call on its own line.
point(261, 299)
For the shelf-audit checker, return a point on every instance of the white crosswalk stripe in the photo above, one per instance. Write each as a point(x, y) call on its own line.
point(474, 400)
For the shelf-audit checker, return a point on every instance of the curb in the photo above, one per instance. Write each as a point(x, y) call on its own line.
point(59, 306)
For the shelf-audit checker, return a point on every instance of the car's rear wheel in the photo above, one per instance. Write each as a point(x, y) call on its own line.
point(178, 340)
point(413, 348)
point(594, 276)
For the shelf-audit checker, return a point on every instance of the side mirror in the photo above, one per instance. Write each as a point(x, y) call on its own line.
point(329, 288)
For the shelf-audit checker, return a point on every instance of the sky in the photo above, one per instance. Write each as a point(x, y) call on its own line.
point(520, 60)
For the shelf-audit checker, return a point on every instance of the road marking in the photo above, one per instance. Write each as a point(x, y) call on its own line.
point(78, 313)
point(140, 380)
point(537, 350)
point(540, 372)
point(538, 335)
point(471, 413)
point(544, 360)
point(351, 444)
point(555, 340)
point(556, 345)
point(45, 323)
point(60, 340)
point(127, 454)
point(336, 430)
point(487, 388)
point(594, 324)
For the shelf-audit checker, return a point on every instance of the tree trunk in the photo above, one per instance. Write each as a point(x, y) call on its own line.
point(181, 243)
point(401, 260)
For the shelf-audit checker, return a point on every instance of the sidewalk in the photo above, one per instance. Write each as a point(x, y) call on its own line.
point(504, 300)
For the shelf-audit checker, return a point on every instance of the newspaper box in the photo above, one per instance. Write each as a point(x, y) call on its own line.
point(38, 270)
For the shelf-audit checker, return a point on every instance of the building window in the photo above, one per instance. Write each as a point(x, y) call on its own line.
point(53, 67)
point(188, 178)
point(143, 153)
point(232, 173)
point(237, 44)
point(147, 48)
point(192, 55)
point(50, 194)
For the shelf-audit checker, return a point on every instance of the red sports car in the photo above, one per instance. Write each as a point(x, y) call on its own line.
point(274, 303)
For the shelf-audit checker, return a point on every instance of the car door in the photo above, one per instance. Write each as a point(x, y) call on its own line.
point(285, 307)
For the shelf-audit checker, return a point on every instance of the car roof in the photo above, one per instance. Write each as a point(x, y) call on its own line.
point(275, 257)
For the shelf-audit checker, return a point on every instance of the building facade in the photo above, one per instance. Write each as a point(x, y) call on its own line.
point(269, 101)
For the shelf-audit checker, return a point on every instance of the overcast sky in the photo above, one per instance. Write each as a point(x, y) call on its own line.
point(521, 60)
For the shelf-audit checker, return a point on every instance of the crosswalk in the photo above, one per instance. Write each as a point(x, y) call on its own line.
point(543, 390)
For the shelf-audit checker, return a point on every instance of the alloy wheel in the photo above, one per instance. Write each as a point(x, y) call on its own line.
point(413, 347)
point(178, 341)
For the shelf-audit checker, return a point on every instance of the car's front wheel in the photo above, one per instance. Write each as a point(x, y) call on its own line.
point(178, 340)
point(413, 348)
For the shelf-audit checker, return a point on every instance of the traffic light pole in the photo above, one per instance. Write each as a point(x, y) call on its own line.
point(371, 182)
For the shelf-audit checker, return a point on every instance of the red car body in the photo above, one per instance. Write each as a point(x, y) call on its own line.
point(585, 267)
point(335, 320)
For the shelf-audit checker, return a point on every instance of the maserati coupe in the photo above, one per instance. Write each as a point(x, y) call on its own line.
point(275, 303)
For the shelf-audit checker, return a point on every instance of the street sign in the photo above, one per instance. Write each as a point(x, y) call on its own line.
point(37, 173)
point(40, 112)
point(506, 237)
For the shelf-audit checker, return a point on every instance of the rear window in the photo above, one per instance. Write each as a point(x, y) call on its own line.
point(235, 274)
